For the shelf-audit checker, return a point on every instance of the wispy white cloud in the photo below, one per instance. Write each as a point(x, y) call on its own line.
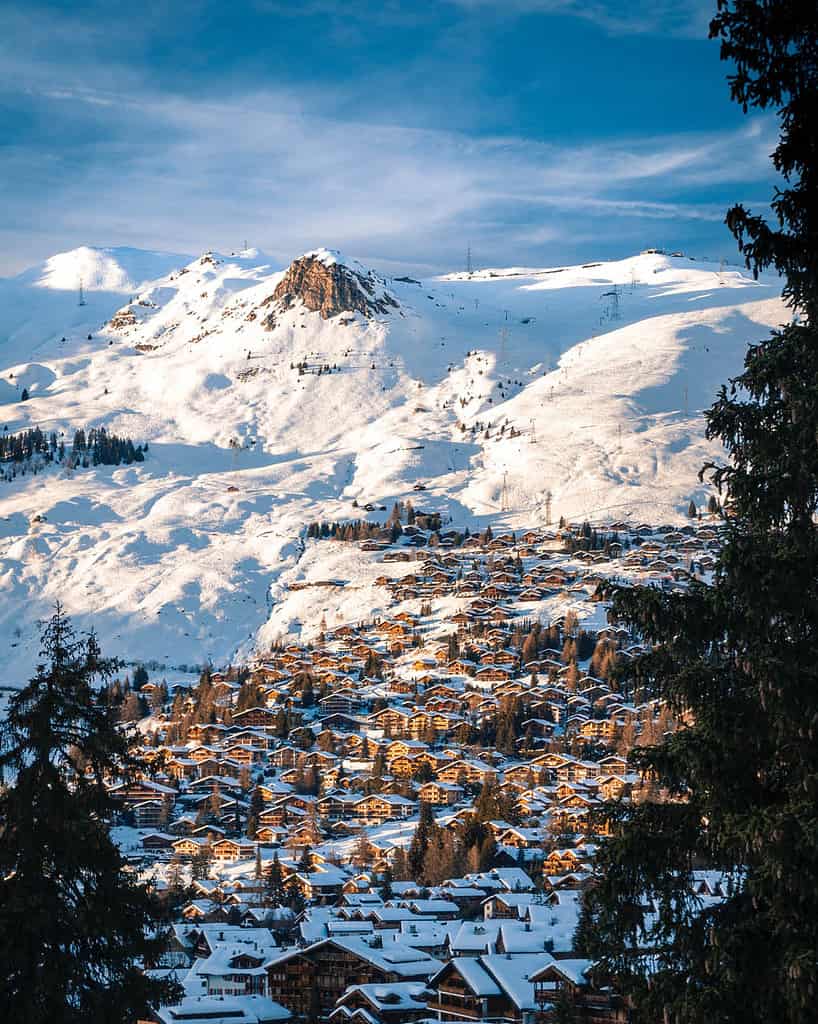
point(122, 159)
point(187, 175)
point(108, 144)
point(685, 18)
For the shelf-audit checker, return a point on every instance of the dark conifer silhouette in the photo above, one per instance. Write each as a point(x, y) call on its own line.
point(74, 924)
point(738, 659)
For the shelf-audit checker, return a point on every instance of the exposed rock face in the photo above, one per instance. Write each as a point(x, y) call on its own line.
point(126, 316)
point(330, 288)
point(122, 318)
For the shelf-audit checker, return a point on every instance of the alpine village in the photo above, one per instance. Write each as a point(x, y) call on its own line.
point(435, 649)
point(396, 822)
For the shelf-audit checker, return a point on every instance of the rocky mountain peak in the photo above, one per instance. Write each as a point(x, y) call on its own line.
point(329, 286)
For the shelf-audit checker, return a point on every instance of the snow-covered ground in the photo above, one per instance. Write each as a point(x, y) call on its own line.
point(187, 556)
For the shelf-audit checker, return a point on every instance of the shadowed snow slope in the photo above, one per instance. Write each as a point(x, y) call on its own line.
point(491, 391)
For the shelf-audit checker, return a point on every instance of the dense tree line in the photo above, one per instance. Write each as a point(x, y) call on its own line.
point(363, 529)
point(26, 444)
point(436, 853)
point(588, 538)
point(33, 448)
point(103, 449)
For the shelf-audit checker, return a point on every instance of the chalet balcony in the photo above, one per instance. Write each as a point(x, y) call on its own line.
point(454, 1006)
point(590, 1007)
point(454, 1010)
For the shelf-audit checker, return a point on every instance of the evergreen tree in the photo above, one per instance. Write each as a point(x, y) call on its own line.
point(247, 696)
point(275, 891)
point(177, 709)
point(176, 896)
point(214, 807)
point(256, 804)
point(166, 812)
point(425, 831)
point(159, 697)
point(362, 853)
point(506, 740)
point(740, 657)
point(379, 768)
point(281, 724)
point(401, 870)
point(386, 885)
point(572, 678)
point(295, 899)
point(306, 683)
point(201, 862)
point(133, 708)
point(488, 854)
point(73, 922)
point(437, 861)
point(563, 1009)
point(204, 699)
point(530, 647)
point(486, 806)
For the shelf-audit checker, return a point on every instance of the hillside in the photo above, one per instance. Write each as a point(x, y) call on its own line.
point(271, 397)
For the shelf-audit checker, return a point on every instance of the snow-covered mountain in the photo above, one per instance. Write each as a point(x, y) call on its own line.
point(45, 299)
point(273, 396)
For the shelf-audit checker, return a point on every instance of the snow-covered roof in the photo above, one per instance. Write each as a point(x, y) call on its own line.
point(224, 1010)
point(475, 976)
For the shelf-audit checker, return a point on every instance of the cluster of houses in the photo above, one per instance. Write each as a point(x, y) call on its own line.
point(285, 815)
point(416, 956)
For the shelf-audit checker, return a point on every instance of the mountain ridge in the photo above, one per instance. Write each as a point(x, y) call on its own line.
point(502, 395)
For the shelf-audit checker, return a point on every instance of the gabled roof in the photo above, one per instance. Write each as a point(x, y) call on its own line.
point(513, 975)
point(409, 962)
point(473, 973)
point(575, 971)
point(399, 995)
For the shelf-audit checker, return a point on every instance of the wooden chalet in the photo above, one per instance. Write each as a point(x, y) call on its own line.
point(568, 986)
point(322, 972)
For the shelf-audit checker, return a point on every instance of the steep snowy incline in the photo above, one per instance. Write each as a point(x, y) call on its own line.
point(43, 304)
point(270, 398)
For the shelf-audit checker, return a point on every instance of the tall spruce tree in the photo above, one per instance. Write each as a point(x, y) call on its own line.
point(275, 890)
point(425, 832)
point(74, 925)
point(738, 660)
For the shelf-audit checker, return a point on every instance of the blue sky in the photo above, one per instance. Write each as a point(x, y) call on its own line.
point(537, 131)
